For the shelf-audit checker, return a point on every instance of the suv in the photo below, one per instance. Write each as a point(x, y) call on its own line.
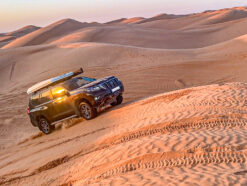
point(67, 96)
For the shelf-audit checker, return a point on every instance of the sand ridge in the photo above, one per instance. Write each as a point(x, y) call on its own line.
point(47, 33)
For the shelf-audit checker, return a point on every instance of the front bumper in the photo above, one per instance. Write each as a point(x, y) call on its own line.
point(103, 100)
point(106, 96)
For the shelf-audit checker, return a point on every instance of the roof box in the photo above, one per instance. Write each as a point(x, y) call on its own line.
point(53, 81)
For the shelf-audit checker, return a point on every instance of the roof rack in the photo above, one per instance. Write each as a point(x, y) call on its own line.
point(53, 81)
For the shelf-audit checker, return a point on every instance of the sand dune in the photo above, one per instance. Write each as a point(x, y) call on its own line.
point(5, 40)
point(142, 36)
point(11, 36)
point(23, 31)
point(177, 134)
point(133, 20)
point(144, 72)
point(162, 31)
point(206, 19)
point(126, 21)
point(189, 136)
point(228, 15)
point(47, 34)
point(116, 21)
point(139, 20)
point(161, 17)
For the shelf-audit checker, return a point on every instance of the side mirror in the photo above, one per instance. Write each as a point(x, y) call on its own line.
point(67, 93)
point(59, 92)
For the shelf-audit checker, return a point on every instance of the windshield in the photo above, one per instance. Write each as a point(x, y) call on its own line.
point(75, 83)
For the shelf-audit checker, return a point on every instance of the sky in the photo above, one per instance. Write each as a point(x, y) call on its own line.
point(15, 14)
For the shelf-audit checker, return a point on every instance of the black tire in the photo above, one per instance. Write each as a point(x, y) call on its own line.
point(87, 111)
point(118, 101)
point(45, 126)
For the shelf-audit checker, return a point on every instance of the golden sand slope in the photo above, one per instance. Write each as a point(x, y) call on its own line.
point(144, 72)
point(190, 136)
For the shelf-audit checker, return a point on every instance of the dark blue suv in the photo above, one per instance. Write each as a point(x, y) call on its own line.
point(67, 96)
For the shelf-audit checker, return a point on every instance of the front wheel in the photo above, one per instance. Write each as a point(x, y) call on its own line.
point(118, 101)
point(45, 126)
point(87, 111)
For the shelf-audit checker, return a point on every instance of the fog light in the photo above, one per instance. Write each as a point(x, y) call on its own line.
point(97, 98)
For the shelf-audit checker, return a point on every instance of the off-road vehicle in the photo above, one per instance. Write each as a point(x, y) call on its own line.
point(68, 96)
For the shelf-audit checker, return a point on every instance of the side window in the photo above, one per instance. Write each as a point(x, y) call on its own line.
point(58, 92)
point(45, 96)
point(35, 99)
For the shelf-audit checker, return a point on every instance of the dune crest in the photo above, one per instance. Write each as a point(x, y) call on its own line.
point(47, 34)
point(23, 31)
point(162, 31)
point(11, 36)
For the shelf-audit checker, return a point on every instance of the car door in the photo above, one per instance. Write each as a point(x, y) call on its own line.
point(61, 103)
point(45, 102)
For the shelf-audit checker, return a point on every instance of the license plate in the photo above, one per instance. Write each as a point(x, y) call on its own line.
point(115, 89)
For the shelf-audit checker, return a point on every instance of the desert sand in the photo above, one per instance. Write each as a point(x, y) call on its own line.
point(195, 134)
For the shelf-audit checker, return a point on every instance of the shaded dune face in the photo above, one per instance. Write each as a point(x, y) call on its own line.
point(11, 36)
point(228, 15)
point(23, 31)
point(194, 134)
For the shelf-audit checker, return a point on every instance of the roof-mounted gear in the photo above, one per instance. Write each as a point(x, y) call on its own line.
point(53, 81)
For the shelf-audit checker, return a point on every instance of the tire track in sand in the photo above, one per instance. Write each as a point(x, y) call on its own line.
point(223, 121)
point(191, 157)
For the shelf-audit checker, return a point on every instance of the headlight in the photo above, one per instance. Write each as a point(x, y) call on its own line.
point(95, 89)
point(97, 98)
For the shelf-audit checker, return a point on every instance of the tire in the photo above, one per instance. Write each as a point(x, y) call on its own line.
point(87, 111)
point(118, 101)
point(45, 126)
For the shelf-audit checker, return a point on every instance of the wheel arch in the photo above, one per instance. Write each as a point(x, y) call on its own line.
point(41, 116)
point(78, 101)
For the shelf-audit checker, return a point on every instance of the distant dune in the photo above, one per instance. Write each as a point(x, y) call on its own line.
point(23, 31)
point(161, 31)
point(155, 38)
point(126, 21)
point(161, 17)
point(47, 34)
point(11, 36)
point(195, 134)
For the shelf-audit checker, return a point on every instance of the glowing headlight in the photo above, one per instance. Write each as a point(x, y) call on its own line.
point(95, 89)
point(97, 98)
point(60, 91)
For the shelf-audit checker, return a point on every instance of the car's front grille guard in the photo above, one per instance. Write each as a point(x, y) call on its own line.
point(110, 84)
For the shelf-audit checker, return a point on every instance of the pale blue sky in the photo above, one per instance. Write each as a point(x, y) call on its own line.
point(18, 13)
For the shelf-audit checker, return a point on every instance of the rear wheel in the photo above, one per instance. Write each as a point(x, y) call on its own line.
point(87, 111)
point(118, 101)
point(45, 126)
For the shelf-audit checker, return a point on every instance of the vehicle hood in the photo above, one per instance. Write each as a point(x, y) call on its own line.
point(92, 84)
point(97, 82)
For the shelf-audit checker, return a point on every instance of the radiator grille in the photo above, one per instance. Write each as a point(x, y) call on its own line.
point(111, 84)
